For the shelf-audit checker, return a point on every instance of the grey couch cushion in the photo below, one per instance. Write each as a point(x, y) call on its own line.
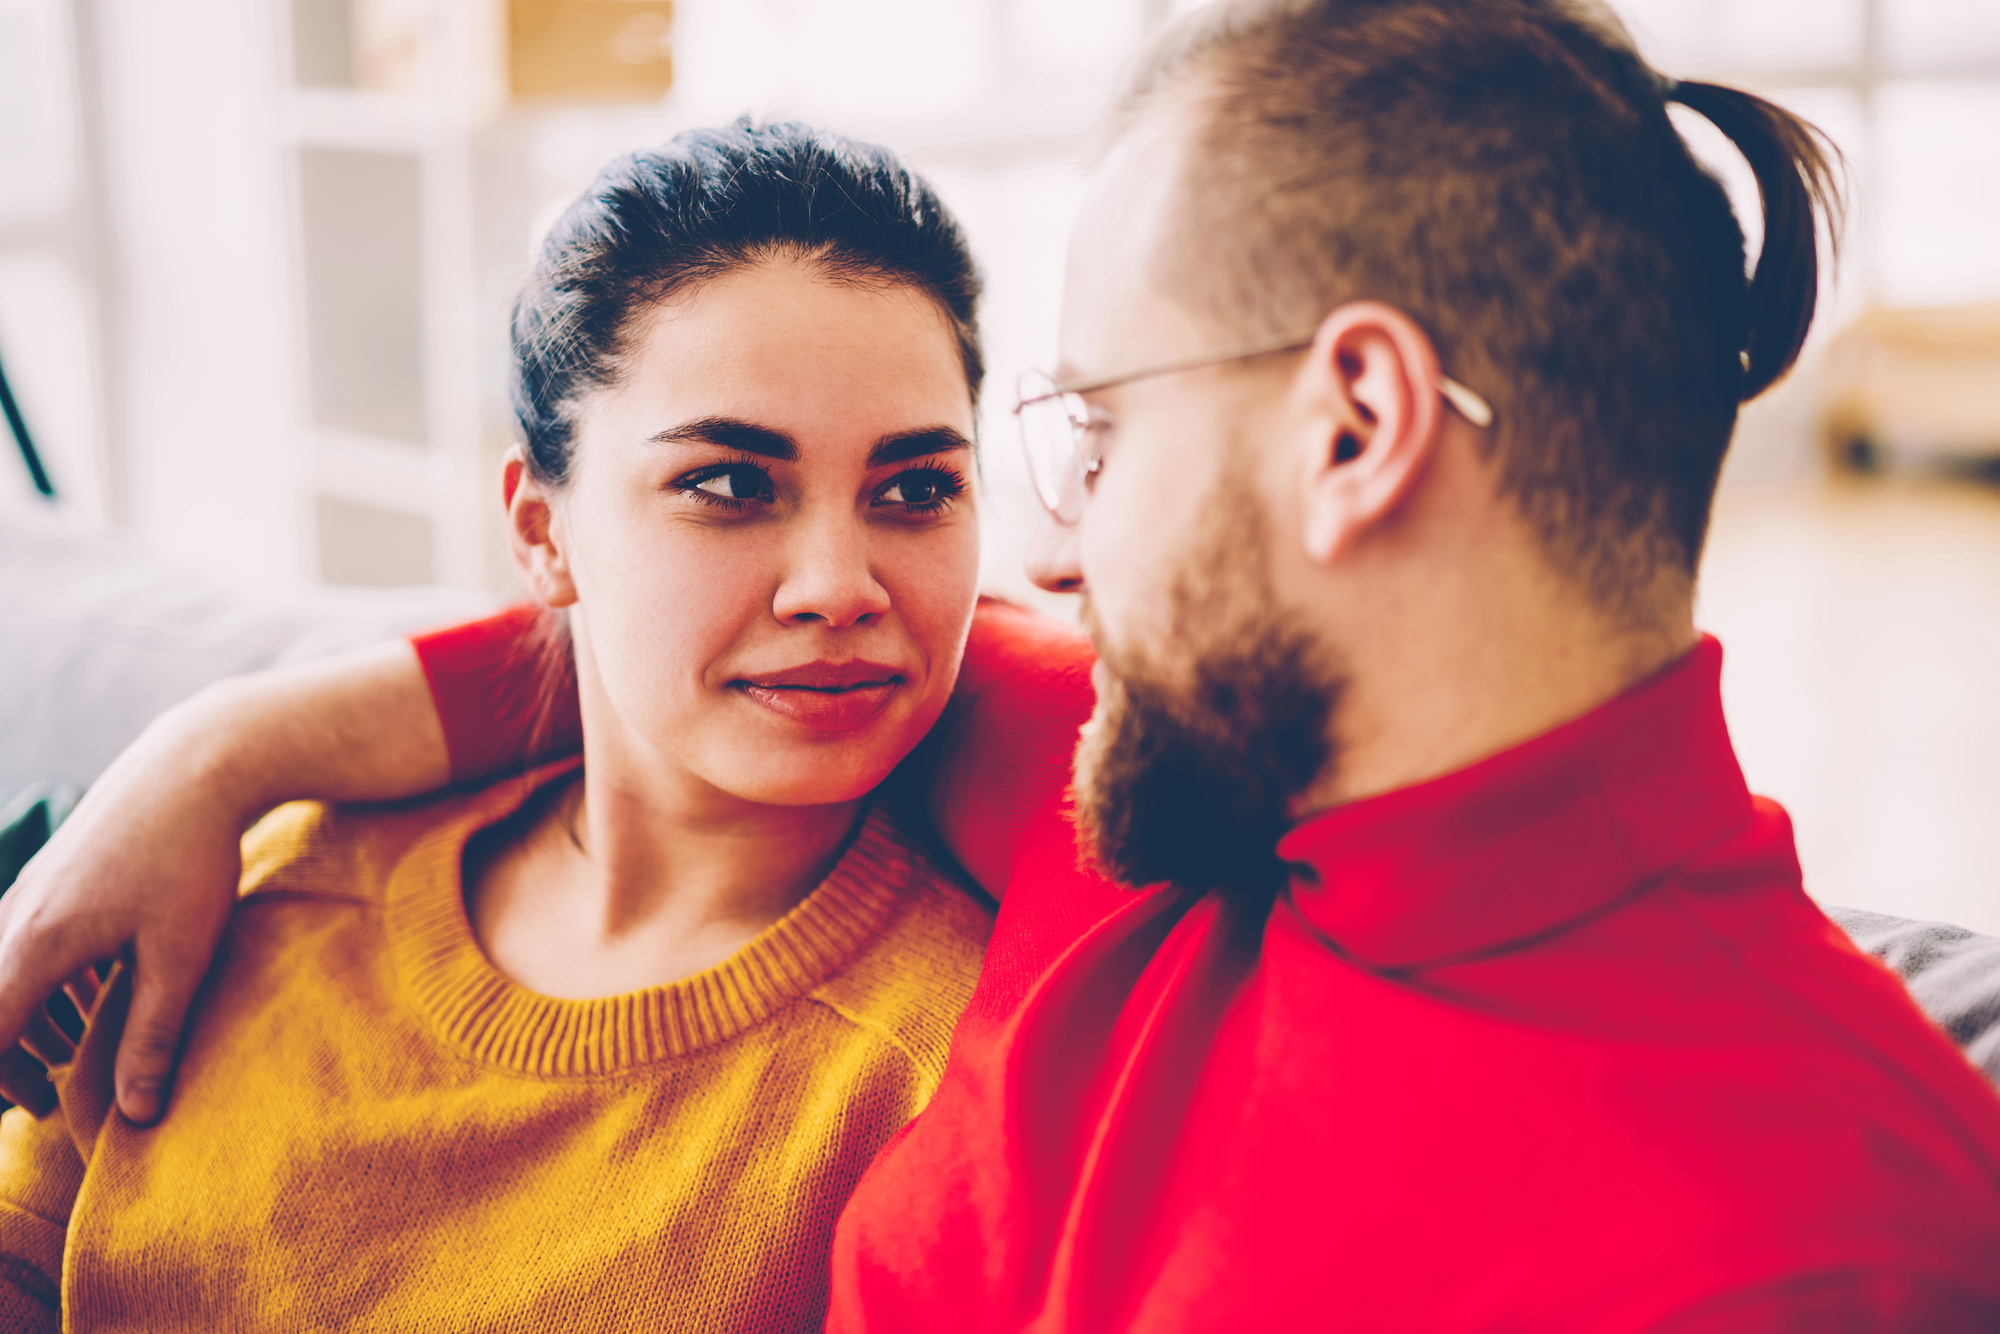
point(95, 639)
point(1953, 975)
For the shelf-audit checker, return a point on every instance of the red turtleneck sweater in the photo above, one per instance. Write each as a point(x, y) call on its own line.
point(1553, 1043)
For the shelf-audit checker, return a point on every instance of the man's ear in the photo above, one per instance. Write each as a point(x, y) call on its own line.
point(532, 533)
point(1374, 416)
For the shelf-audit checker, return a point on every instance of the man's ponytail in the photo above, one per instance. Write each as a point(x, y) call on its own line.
point(1798, 179)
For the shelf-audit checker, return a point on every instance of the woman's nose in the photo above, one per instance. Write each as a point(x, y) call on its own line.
point(1052, 556)
point(830, 579)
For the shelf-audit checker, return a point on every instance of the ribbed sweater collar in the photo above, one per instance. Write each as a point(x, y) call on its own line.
point(475, 1006)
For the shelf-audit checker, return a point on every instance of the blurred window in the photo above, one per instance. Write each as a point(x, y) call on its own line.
point(364, 285)
point(48, 260)
point(368, 546)
point(1909, 90)
point(322, 43)
point(1936, 202)
point(1928, 33)
point(1747, 34)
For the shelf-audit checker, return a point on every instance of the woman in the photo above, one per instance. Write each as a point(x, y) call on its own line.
point(606, 1046)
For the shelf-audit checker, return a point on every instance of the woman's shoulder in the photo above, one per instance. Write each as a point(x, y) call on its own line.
point(913, 976)
point(311, 847)
point(325, 850)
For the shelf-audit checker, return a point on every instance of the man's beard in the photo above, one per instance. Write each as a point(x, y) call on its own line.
point(1187, 768)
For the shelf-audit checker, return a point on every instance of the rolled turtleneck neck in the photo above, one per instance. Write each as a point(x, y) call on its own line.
point(1514, 847)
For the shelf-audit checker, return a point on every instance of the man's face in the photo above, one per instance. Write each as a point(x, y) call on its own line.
point(1213, 703)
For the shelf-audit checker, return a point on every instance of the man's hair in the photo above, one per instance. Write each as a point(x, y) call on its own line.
point(1505, 172)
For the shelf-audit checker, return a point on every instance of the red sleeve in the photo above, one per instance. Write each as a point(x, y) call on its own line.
point(1000, 757)
point(504, 690)
point(1864, 1301)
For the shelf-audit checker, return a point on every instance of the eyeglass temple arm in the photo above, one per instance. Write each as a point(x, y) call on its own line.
point(1470, 405)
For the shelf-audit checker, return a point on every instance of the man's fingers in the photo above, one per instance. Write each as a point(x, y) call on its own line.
point(35, 959)
point(82, 988)
point(46, 1042)
point(162, 988)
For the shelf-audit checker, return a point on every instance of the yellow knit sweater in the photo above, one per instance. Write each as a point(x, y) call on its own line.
point(373, 1129)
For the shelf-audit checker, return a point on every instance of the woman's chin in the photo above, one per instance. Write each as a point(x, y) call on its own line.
point(810, 785)
point(797, 765)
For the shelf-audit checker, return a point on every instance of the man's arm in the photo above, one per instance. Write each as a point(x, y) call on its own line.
point(148, 863)
point(1002, 755)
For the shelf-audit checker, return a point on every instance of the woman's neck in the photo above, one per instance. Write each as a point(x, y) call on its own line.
point(637, 873)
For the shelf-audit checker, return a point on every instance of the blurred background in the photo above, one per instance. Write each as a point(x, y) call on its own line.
point(255, 259)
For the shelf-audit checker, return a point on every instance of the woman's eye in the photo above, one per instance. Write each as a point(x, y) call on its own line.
point(733, 485)
point(922, 490)
point(912, 491)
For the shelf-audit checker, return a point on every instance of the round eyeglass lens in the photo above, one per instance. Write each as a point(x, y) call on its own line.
point(1051, 427)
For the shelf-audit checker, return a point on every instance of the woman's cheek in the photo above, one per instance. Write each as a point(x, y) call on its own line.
point(675, 605)
point(934, 582)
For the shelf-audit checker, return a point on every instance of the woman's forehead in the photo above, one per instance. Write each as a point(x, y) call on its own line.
point(791, 305)
point(798, 354)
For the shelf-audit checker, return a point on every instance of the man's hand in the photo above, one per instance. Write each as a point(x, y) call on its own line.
point(147, 865)
point(148, 862)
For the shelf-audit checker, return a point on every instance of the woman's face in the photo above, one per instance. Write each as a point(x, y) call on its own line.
point(769, 534)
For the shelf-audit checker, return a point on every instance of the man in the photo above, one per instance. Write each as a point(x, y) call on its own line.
point(1472, 990)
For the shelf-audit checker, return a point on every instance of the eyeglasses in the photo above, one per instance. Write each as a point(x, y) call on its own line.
point(1061, 441)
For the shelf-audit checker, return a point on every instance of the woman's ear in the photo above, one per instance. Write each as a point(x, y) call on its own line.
point(532, 533)
point(1374, 410)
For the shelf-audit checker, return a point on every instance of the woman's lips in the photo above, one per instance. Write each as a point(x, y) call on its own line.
point(827, 697)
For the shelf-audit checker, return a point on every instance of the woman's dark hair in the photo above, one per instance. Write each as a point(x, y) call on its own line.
point(661, 221)
point(1505, 171)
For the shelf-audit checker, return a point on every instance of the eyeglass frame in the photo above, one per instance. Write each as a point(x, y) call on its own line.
point(1466, 402)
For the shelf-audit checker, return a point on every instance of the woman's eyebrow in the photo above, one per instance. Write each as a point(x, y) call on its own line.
point(904, 445)
point(733, 433)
